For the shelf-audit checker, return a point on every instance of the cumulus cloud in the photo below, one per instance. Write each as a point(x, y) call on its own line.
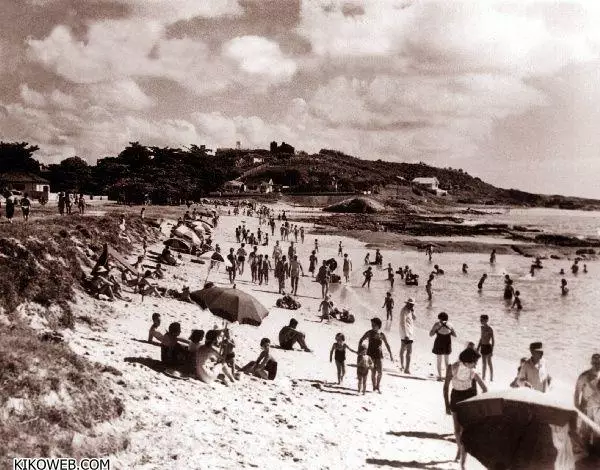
point(259, 57)
point(120, 94)
point(31, 97)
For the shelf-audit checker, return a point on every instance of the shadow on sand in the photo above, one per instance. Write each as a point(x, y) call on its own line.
point(423, 435)
point(412, 464)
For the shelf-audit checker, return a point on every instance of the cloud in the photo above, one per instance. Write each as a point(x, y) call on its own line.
point(260, 58)
point(32, 98)
point(120, 94)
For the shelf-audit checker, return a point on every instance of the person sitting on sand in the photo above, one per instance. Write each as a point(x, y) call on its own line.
point(100, 285)
point(210, 365)
point(152, 333)
point(461, 375)
point(339, 348)
point(289, 336)
point(564, 290)
point(145, 287)
point(195, 343)
point(265, 365)
point(376, 339)
point(167, 257)
point(159, 272)
point(172, 352)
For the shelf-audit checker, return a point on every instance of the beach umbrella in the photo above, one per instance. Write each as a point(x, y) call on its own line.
point(517, 428)
point(188, 234)
point(178, 244)
point(231, 304)
point(213, 256)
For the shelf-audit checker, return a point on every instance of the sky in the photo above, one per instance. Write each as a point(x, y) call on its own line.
point(507, 91)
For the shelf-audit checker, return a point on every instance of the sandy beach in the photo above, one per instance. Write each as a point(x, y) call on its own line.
point(302, 419)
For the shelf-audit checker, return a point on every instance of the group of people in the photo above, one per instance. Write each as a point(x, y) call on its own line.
point(11, 201)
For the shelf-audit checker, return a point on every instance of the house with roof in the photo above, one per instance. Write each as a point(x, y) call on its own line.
point(431, 184)
point(29, 183)
point(234, 186)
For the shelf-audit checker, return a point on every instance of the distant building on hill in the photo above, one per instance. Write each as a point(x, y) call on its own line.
point(282, 149)
point(264, 187)
point(234, 186)
point(430, 184)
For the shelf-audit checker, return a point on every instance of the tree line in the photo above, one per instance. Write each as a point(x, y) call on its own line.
point(160, 174)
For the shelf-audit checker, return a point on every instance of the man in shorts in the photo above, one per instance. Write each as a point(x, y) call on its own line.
point(407, 333)
point(486, 346)
point(289, 336)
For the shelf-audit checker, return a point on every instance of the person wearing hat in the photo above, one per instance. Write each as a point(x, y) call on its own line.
point(461, 375)
point(534, 373)
point(586, 388)
point(407, 332)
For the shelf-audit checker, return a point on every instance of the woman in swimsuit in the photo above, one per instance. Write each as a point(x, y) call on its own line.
point(442, 345)
point(374, 349)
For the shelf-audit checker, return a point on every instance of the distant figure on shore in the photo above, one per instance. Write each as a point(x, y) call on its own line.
point(407, 332)
point(301, 234)
point(564, 290)
point(347, 267)
point(316, 245)
point(481, 281)
point(340, 249)
point(295, 270)
point(462, 376)
point(442, 345)
point(429, 251)
point(465, 268)
point(338, 350)
point(368, 274)
point(585, 268)
point(368, 259)
point(517, 301)
point(25, 207)
point(312, 263)
point(486, 346)
point(493, 256)
point(142, 212)
point(388, 304)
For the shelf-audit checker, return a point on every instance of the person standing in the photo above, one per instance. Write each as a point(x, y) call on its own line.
point(368, 274)
point(295, 270)
point(61, 203)
point(481, 281)
point(323, 278)
point(232, 268)
point(376, 339)
point(390, 278)
point(291, 251)
point(281, 272)
point(486, 346)
point(407, 333)
point(461, 375)
point(10, 208)
point(241, 258)
point(388, 304)
point(277, 253)
point(442, 345)
point(81, 205)
point(428, 287)
point(312, 263)
point(25, 207)
point(266, 267)
point(534, 372)
point(347, 267)
point(340, 249)
point(493, 256)
point(302, 234)
point(586, 387)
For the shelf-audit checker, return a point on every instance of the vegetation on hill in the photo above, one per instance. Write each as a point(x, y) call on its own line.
point(165, 175)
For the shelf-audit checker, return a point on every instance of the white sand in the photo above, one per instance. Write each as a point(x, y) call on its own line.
point(300, 420)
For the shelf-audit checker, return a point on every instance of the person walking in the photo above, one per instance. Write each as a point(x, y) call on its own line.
point(442, 345)
point(295, 270)
point(281, 272)
point(407, 333)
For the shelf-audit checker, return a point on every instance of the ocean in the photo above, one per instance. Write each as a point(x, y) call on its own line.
point(567, 325)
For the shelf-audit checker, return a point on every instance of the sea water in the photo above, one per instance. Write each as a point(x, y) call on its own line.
point(568, 325)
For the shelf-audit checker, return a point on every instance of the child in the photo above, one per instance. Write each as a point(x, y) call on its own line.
point(388, 304)
point(486, 346)
point(265, 366)
point(152, 333)
point(325, 306)
point(316, 245)
point(390, 271)
point(364, 363)
point(339, 347)
point(368, 276)
point(517, 301)
point(564, 290)
point(515, 382)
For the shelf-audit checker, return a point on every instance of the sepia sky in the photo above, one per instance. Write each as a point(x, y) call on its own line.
point(506, 91)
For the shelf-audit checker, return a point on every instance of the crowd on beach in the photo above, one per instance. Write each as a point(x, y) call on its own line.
point(210, 355)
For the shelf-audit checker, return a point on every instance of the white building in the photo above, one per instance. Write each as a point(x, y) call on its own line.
point(427, 183)
point(234, 186)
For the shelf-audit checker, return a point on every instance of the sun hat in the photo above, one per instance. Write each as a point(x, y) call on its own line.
point(537, 346)
point(410, 300)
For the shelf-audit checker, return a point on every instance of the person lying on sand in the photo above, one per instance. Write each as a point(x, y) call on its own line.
point(210, 365)
point(289, 336)
point(265, 365)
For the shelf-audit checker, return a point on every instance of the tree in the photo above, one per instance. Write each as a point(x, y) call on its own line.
point(72, 174)
point(18, 157)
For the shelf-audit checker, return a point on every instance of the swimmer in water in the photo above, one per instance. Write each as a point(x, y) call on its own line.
point(493, 256)
point(562, 272)
point(564, 290)
point(481, 281)
point(517, 301)
point(532, 270)
point(428, 286)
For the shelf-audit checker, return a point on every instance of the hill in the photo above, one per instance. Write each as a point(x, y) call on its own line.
point(330, 170)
